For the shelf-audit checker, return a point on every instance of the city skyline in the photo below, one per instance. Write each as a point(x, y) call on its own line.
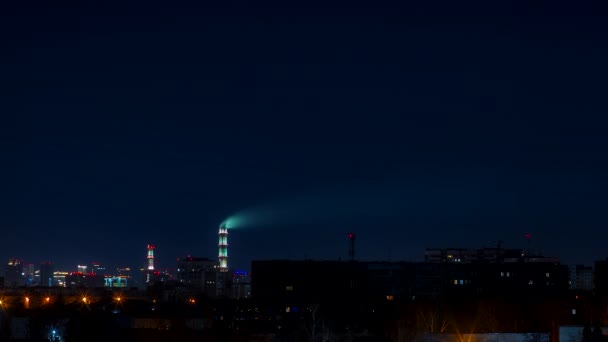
point(108, 269)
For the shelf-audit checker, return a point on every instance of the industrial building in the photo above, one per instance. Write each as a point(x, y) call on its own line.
point(199, 273)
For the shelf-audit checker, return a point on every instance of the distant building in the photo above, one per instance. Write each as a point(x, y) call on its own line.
point(122, 278)
point(124, 271)
point(574, 333)
point(601, 277)
point(47, 276)
point(289, 282)
point(116, 281)
point(98, 268)
point(29, 272)
point(201, 274)
point(13, 273)
point(89, 280)
point(59, 277)
point(581, 277)
point(241, 285)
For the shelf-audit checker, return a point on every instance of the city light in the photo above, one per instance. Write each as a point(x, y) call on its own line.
point(47, 299)
point(27, 299)
point(85, 299)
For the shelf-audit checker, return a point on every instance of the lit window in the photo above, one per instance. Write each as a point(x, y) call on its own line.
point(502, 274)
point(390, 297)
point(455, 282)
point(289, 288)
point(508, 274)
point(461, 282)
point(547, 274)
point(530, 282)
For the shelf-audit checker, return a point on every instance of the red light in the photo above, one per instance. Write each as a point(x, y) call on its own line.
point(351, 235)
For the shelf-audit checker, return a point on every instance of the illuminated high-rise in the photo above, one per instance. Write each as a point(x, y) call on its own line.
point(223, 248)
point(29, 271)
point(13, 273)
point(97, 268)
point(47, 278)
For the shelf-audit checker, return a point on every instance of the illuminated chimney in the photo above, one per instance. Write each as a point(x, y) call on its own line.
point(223, 248)
point(151, 257)
point(351, 247)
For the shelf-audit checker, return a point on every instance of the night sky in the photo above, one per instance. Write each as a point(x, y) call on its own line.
point(419, 124)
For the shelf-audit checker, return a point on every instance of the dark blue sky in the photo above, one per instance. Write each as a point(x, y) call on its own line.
point(449, 124)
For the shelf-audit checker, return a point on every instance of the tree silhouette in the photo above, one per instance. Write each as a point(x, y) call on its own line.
point(596, 334)
point(586, 333)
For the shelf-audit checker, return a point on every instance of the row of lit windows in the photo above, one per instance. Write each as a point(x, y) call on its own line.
point(452, 259)
point(508, 274)
point(466, 281)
